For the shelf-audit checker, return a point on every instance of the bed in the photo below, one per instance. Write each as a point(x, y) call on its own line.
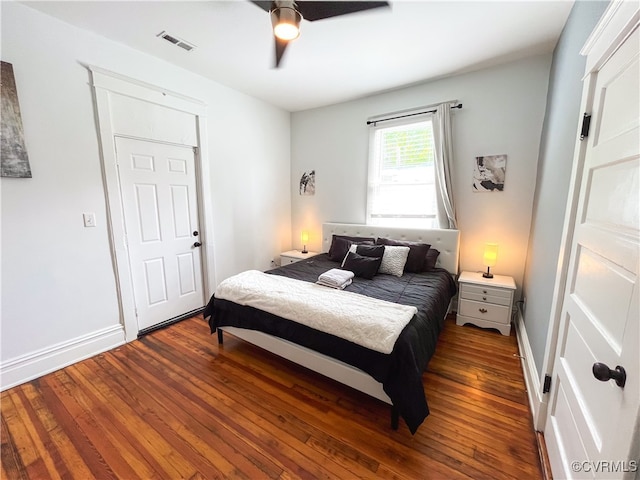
point(394, 377)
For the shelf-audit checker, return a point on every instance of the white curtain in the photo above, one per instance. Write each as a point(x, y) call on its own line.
point(444, 166)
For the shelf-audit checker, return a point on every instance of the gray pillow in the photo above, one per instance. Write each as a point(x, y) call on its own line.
point(361, 266)
point(365, 250)
point(370, 250)
point(417, 253)
point(340, 245)
point(432, 258)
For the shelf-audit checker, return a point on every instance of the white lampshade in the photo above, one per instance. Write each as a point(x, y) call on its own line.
point(490, 254)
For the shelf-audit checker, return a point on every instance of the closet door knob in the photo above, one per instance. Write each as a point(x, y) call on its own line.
point(197, 244)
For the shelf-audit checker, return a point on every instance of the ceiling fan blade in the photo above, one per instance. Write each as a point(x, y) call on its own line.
point(317, 10)
point(281, 45)
point(266, 6)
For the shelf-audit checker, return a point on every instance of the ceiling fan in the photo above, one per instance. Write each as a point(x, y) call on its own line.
point(286, 16)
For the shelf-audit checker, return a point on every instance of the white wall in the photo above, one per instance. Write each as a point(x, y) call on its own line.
point(555, 161)
point(503, 113)
point(58, 282)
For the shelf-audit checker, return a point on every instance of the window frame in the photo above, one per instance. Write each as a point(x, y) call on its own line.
point(399, 219)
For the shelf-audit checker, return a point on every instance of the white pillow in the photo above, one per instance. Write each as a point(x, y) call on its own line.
point(393, 260)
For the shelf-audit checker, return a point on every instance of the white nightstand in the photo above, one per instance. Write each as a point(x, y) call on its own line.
point(293, 256)
point(486, 302)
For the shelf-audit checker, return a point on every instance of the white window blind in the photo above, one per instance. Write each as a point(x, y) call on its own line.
point(401, 188)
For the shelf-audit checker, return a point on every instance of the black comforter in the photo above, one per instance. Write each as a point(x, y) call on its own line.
point(400, 372)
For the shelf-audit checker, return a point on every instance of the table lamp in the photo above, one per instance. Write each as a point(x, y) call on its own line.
point(304, 236)
point(490, 257)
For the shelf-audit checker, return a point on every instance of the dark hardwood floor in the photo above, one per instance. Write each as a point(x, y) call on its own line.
point(175, 405)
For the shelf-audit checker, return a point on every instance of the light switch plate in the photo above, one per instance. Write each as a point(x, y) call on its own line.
point(89, 219)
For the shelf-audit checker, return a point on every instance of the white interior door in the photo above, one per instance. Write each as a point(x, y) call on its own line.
point(158, 188)
point(591, 424)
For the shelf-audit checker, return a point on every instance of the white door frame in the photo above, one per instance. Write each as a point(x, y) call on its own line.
point(616, 24)
point(105, 84)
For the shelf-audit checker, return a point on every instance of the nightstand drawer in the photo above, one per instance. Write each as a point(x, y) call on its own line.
point(484, 290)
point(293, 256)
point(288, 260)
point(485, 294)
point(485, 311)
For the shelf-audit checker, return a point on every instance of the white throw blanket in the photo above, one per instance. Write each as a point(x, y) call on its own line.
point(336, 278)
point(369, 322)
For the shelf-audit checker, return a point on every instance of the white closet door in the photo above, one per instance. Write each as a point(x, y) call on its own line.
point(591, 425)
point(158, 188)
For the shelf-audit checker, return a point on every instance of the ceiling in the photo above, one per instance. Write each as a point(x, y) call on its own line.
point(334, 60)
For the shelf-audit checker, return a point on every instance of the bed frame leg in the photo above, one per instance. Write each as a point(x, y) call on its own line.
point(220, 341)
point(395, 417)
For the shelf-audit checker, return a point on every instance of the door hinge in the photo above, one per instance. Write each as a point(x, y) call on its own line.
point(547, 384)
point(586, 123)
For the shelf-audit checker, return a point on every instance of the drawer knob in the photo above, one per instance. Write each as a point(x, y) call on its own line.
point(482, 310)
point(484, 298)
point(484, 291)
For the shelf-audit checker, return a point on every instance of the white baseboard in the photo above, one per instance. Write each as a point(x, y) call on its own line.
point(35, 364)
point(531, 378)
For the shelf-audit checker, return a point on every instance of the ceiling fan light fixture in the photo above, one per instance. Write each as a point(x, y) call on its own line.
point(286, 23)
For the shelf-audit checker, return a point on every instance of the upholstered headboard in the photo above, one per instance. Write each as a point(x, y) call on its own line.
point(445, 241)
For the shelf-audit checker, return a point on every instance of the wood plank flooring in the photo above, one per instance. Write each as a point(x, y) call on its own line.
point(175, 405)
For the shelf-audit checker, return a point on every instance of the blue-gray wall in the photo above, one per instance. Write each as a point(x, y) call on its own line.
point(554, 170)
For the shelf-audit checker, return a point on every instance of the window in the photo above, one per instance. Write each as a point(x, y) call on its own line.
point(401, 175)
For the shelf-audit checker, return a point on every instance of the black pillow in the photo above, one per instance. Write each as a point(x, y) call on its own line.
point(361, 266)
point(417, 253)
point(376, 251)
point(340, 245)
point(432, 257)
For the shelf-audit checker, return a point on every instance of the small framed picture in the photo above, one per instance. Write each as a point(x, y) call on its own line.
point(308, 183)
point(488, 173)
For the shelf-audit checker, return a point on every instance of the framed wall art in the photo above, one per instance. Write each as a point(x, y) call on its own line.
point(13, 151)
point(489, 172)
point(307, 184)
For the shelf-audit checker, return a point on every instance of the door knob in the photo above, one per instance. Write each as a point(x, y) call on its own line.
point(197, 244)
point(196, 233)
point(603, 373)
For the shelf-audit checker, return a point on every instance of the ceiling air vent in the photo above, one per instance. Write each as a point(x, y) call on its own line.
point(178, 42)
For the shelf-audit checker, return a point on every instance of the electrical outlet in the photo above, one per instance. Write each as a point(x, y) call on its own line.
point(89, 219)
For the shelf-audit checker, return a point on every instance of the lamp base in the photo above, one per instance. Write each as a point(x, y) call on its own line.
point(304, 250)
point(487, 274)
